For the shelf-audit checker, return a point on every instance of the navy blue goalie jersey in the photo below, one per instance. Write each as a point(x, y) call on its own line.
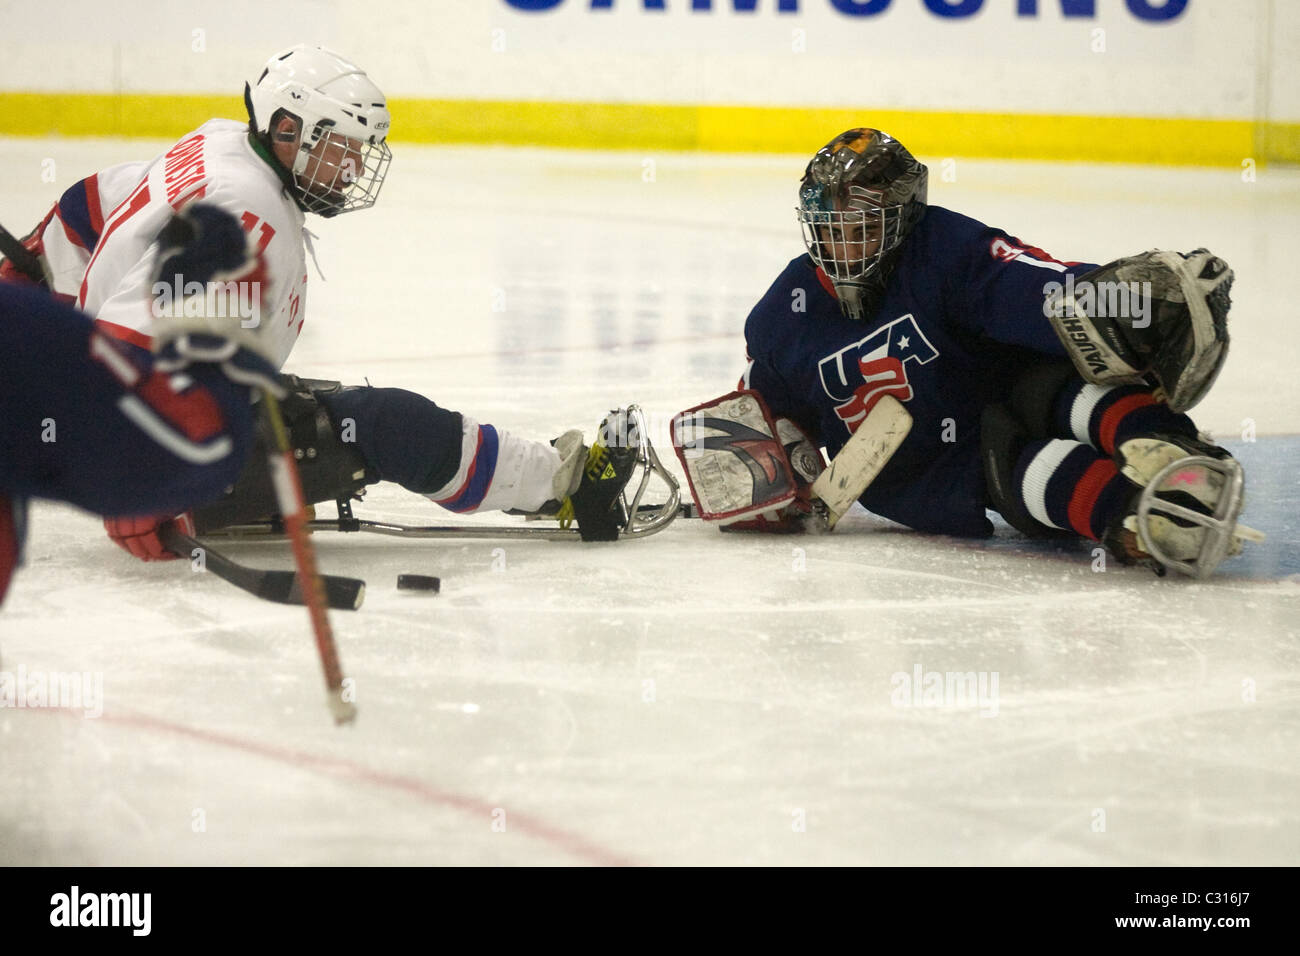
point(961, 315)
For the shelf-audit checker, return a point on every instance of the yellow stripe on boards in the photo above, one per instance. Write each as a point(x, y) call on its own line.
point(1165, 141)
point(109, 114)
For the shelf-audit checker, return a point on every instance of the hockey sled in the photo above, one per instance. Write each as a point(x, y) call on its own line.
point(637, 518)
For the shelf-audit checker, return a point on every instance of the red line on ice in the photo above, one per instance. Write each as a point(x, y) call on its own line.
point(348, 770)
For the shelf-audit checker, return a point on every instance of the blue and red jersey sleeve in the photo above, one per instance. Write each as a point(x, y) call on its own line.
point(89, 420)
point(996, 284)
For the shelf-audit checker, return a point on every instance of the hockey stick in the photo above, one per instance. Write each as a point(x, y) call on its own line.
point(342, 594)
point(288, 492)
point(311, 589)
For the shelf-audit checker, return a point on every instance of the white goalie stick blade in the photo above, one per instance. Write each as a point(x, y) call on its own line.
point(863, 456)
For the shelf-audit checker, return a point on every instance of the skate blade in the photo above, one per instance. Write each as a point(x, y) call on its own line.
point(1249, 534)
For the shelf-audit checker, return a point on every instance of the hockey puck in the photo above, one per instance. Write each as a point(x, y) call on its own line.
point(418, 582)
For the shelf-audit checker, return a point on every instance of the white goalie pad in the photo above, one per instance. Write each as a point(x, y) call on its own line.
point(734, 459)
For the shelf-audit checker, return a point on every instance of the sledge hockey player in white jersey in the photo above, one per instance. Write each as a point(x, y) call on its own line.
point(315, 142)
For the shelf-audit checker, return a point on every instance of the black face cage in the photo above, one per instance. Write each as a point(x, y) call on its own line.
point(330, 189)
point(837, 240)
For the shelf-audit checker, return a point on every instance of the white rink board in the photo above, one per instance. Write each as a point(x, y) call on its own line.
point(690, 698)
point(1215, 59)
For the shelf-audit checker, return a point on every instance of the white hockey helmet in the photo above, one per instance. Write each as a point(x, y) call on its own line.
point(333, 100)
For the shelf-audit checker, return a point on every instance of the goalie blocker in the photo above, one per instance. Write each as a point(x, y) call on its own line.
point(750, 472)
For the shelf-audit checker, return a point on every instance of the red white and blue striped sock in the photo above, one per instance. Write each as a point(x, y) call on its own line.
point(499, 471)
point(1105, 416)
point(1070, 485)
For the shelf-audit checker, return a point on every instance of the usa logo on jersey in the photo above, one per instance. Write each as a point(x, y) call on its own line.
point(858, 375)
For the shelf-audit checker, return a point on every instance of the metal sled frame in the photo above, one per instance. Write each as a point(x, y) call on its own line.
point(638, 520)
point(1219, 528)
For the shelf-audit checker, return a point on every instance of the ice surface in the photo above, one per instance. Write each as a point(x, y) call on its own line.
point(691, 698)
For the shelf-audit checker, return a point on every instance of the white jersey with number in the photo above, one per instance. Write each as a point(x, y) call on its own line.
point(100, 246)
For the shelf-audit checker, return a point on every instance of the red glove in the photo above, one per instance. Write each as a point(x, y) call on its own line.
point(139, 536)
point(34, 243)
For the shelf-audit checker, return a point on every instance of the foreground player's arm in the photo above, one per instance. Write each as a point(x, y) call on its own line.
point(88, 425)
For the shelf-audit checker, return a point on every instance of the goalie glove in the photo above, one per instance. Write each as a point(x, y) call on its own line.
point(1159, 313)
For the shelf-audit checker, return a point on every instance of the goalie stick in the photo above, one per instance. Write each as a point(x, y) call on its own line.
point(861, 459)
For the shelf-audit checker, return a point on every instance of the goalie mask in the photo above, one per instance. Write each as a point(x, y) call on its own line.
point(861, 195)
point(342, 118)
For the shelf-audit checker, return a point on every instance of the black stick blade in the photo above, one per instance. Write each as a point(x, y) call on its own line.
point(282, 587)
point(341, 594)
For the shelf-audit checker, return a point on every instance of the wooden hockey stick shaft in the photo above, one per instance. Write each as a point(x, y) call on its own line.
point(288, 491)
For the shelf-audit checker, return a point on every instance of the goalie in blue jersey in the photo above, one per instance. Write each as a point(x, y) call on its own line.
point(1050, 391)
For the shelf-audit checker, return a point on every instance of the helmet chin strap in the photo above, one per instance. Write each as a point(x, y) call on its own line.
point(853, 299)
point(248, 104)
